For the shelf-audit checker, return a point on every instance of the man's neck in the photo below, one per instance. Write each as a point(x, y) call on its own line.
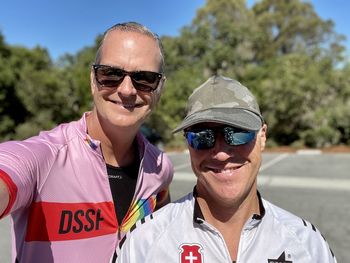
point(229, 221)
point(119, 155)
point(117, 145)
point(232, 211)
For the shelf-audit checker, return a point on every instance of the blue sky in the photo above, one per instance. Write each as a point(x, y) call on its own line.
point(66, 26)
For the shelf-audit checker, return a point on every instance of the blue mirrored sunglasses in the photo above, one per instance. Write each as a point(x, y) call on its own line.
point(204, 138)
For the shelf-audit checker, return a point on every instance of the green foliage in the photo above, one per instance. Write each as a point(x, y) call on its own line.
point(171, 108)
point(36, 95)
point(290, 58)
point(77, 70)
point(291, 90)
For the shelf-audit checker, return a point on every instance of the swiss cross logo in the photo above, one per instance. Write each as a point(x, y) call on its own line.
point(191, 253)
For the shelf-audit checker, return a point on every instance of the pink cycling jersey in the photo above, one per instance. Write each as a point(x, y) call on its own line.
point(60, 200)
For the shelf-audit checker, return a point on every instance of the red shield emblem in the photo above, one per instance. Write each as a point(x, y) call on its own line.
point(191, 253)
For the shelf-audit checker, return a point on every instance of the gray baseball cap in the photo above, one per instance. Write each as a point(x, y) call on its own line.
point(222, 100)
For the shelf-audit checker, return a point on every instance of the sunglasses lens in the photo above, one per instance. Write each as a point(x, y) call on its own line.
point(200, 140)
point(205, 138)
point(108, 76)
point(237, 137)
point(146, 80)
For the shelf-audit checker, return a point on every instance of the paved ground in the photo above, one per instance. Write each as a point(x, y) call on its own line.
point(312, 185)
point(5, 239)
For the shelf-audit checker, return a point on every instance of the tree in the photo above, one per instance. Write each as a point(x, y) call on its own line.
point(37, 95)
point(282, 50)
point(292, 26)
point(295, 60)
point(290, 58)
point(10, 104)
point(76, 69)
point(42, 90)
point(218, 41)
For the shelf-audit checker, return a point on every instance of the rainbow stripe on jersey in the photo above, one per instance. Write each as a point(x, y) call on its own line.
point(140, 209)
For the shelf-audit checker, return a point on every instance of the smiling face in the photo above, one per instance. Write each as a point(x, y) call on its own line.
point(226, 175)
point(124, 106)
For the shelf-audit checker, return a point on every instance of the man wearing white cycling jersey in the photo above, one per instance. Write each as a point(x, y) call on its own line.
point(225, 219)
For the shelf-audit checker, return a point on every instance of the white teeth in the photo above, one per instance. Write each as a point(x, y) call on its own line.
point(225, 170)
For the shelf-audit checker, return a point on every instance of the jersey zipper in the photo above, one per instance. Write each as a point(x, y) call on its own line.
point(212, 228)
point(133, 199)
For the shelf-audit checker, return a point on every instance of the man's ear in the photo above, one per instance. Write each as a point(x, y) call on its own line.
point(263, 136)
point(92, 81)
point(160, 88)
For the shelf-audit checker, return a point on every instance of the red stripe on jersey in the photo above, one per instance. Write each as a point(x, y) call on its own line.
point(67, 221)
point(12, 188)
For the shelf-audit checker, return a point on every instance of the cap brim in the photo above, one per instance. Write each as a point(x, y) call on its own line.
point(237, 117)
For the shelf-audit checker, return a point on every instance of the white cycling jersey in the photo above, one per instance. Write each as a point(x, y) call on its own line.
point(178, 233)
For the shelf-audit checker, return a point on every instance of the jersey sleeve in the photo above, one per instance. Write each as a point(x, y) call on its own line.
point(318, 246)
point(21, 166)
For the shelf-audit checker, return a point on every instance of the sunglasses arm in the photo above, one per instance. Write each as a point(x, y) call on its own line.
point(160, 87)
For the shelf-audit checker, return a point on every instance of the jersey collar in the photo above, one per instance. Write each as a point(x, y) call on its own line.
point(198, 216)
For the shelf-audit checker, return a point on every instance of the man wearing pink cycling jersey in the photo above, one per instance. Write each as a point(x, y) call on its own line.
point(74, 191)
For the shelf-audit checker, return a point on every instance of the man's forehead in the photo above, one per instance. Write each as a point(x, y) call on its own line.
point(130, 51)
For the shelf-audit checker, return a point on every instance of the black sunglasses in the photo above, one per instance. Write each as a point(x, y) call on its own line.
point(204, 138)
point(111, 77)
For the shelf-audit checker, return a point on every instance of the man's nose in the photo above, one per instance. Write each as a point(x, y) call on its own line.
point(221, 150)
point(126, 87)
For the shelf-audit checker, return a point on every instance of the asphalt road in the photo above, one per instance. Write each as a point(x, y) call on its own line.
point(314, 186)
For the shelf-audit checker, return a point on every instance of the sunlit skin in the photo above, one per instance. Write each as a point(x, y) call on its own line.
point(226, 175)
point(4, 197)
point(118, 113)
